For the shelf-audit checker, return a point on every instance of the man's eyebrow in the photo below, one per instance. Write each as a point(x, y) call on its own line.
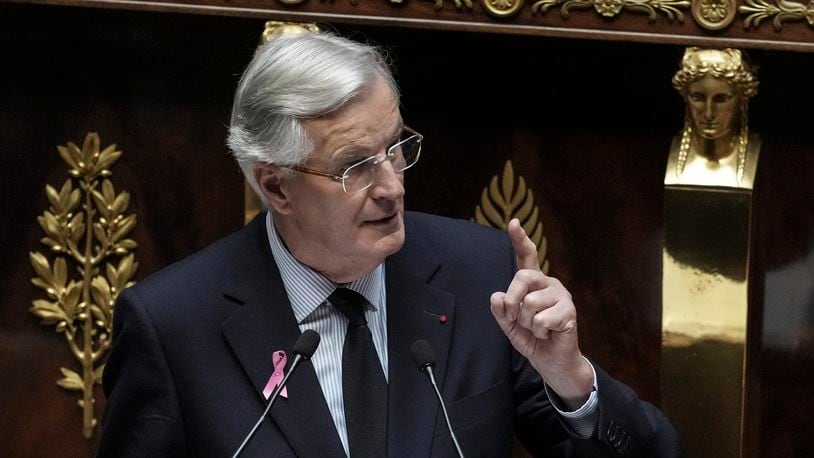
point(396, 136)
point(350, 149)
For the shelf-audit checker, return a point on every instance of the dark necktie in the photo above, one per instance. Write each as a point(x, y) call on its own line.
point(364, 387)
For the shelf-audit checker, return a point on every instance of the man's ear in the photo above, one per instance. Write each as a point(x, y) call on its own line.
point(272, 185)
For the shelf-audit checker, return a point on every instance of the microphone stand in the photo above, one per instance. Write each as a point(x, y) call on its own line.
point(428, 370)
point(303, 350)
point(274, 394)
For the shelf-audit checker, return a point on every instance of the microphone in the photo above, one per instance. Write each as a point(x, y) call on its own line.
point(304, 348)
point(425, 360)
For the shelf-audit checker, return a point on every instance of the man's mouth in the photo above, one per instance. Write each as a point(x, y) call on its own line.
point(389, 219)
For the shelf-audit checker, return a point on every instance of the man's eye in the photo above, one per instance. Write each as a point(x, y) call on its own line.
point(352, 162)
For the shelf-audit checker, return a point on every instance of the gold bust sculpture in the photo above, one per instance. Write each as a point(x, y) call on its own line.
point(715, 147)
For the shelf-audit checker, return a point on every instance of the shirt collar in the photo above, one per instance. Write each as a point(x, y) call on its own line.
point(307, 289)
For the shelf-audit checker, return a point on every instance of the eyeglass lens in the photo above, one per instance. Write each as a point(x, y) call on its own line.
point(402, 156)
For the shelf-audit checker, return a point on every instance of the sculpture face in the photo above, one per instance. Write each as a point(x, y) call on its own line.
point(713, 107)
point(715, 147)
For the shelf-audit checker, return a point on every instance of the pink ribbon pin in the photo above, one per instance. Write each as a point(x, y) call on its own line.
point(280, 360)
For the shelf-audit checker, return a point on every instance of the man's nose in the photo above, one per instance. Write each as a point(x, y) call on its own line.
point(388, 183)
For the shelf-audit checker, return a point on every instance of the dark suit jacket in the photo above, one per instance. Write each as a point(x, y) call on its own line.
point(193, 351)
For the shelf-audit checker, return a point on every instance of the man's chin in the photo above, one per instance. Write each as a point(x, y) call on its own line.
point(392, 242)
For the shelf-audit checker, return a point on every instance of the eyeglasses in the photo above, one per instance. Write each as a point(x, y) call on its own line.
point(359, 174)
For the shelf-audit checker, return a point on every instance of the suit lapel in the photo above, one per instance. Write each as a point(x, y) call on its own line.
point(414, 310)
point(263, 324)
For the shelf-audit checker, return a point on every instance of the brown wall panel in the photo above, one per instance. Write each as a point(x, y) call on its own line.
point(159, 87)
point(782, 348)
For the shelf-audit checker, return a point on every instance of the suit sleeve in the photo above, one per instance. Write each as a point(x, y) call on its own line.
point(142, 415)
point(627, 427)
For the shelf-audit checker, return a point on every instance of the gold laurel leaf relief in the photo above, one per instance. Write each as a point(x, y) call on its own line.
point(507, 197)
point(91, 262)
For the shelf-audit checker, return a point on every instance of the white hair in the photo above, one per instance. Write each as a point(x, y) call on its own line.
point(291, 78)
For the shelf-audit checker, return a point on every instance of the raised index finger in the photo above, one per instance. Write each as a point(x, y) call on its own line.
point(525, 251)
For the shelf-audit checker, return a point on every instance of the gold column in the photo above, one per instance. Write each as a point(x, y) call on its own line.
point(707, 232)
point(705, 300)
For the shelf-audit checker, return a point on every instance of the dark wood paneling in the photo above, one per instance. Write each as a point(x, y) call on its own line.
point(587, 124)
point(781, 354)
point(556, 109)
point(159, 87)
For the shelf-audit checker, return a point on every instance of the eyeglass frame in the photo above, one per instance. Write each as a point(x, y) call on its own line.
point(375, 158)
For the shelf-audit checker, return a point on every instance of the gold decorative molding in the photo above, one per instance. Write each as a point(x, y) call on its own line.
point(459, 4)
point(85, 226)
point(612, 8)
point(714, 14)
point(781, 11)
point(503, 8)
point(605, 8)
point(274, 28)
point(508, 199)
point(711, 15)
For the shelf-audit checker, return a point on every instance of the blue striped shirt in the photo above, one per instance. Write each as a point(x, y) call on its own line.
point(308, 290)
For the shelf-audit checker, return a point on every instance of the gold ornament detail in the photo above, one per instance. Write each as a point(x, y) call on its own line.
point(439, 4)
point(508, 199)
point(611, 8)
point(85, 226)
point(713, 14)
point(782, 11)
point(274, 28)
point(502, 8)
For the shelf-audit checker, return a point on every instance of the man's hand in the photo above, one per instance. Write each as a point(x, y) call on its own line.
point(537, 315)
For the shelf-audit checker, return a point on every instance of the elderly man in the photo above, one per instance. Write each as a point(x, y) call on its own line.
point(317, 130)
